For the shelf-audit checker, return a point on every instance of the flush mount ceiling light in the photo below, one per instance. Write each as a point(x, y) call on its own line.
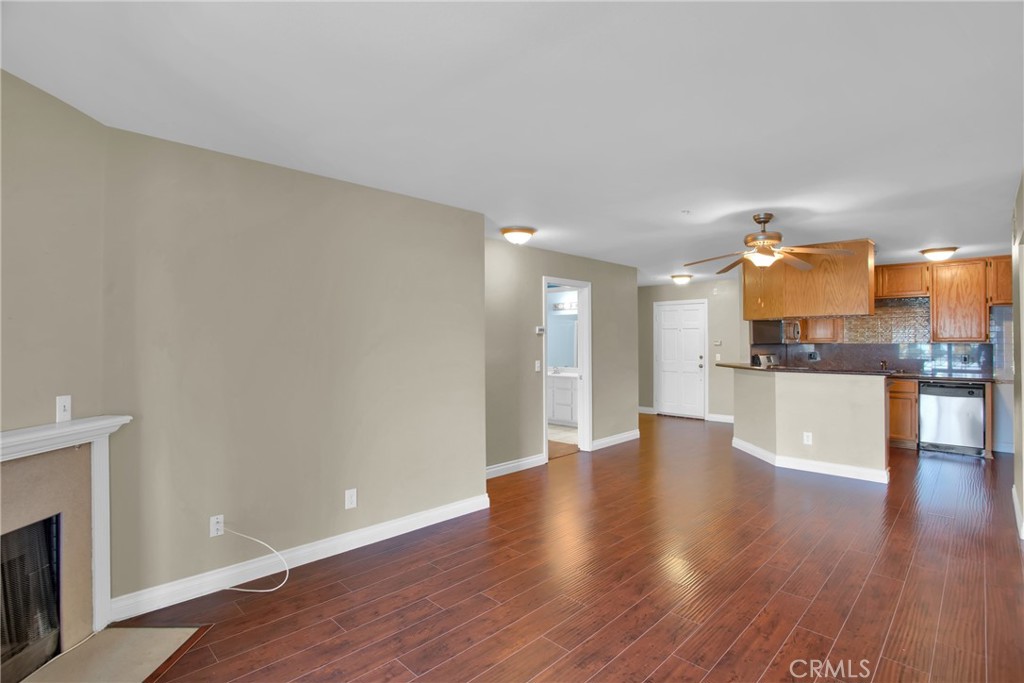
point(681, 279)
point(518, 235)
point(939, 253)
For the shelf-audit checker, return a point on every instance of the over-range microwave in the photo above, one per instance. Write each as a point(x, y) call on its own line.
point(775, 332)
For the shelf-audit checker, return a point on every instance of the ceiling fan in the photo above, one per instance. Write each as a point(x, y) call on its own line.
point(764, 249)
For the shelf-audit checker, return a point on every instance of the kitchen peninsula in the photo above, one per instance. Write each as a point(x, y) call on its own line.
point(844, 413)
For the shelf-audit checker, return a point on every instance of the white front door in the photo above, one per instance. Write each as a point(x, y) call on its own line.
point(679, 364)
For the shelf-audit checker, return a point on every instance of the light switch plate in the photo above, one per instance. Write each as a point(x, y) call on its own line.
point(64, 408)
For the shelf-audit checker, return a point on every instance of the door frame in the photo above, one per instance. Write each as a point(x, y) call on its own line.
point(584, 337)
point(656, 383)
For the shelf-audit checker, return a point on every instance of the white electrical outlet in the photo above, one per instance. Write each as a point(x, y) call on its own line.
point(216, 525)
point(718, 357)
point(350, 499)
point(808, 439)
point(536, 366)
point(63, 408)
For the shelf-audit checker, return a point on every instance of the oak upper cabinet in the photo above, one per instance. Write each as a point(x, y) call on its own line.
point(1000, 280)
point(821, 330)
point(763, 291)
point(902, 280)
point(835, 285)
point(959, 302)
point(903, 412)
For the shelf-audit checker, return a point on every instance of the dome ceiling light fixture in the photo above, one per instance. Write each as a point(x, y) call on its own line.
point(518, 234)
point(682, 278)
point(764, 250)
point(938, 253)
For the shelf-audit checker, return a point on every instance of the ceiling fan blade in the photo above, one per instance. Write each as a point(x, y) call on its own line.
point(731, 265)
point(816, 250)
point(713, 258)
point(791, 260)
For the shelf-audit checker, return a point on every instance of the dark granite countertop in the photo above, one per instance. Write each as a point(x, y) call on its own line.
point(939, 376)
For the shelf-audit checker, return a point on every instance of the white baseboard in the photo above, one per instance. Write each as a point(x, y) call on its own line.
point(1017, 512)
point(717, 417)
point(1003, 447)
point(614, 439)
point(646, 411)
point(165, 595)
point(816, 466)
point(503, 468)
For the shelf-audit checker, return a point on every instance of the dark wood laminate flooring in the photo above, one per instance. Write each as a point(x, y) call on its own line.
point(557, 449)
point(671, 558)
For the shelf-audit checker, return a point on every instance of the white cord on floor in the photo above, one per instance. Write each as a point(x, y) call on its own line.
point(287, 571)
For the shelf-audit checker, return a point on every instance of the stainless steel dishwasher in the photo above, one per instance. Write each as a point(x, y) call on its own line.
point(952, 417)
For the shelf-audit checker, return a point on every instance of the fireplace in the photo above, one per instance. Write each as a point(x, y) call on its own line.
point(30, 567)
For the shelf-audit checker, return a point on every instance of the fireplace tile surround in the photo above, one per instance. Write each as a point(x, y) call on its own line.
point(63, 469)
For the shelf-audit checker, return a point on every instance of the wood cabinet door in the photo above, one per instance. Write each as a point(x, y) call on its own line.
point(836, 285)
point(959, 301)
point(903, 417)
point(822, 330)
point(763, 291)
point(1000, 280)
point(902, 280)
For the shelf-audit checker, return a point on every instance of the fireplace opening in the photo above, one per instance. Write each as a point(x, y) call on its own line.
point(31, 598)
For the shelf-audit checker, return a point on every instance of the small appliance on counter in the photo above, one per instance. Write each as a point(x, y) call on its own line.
point(764, 360)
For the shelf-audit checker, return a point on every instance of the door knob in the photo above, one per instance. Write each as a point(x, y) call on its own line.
point(701, 365)
point(700, 357)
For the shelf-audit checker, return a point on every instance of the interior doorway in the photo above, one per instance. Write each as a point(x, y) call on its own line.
point(566, 367)
point(680, 358)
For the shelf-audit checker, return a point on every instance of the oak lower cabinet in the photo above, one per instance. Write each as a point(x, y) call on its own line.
point(902, 280)
point(959, 300)
point(1000, 280)
point(903, 412)
point(821, 331)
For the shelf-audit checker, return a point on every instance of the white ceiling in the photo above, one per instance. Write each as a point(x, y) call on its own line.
point(598, 123)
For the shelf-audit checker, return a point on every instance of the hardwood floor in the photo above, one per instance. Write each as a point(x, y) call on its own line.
point(560, 450)
point(671, 558)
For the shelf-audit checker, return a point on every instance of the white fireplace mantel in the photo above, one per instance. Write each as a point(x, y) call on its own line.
point(22, 443)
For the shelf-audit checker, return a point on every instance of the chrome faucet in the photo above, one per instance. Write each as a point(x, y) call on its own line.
point(884, 364)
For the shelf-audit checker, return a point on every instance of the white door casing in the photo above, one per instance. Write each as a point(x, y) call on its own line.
point(583, 397)
point(680, 358)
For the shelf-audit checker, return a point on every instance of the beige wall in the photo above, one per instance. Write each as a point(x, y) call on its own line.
point(44, 485)
point(1018, 327)
point(279, 338)
point(725, 324)
point(845, 415)
point(514, 303)
point(52, 214)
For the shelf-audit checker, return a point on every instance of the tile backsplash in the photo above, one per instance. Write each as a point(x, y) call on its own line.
point(896, 321)
point(913, 358)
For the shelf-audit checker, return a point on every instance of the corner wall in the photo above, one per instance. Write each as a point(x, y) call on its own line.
point(725, 324)
point(53, 167)
point(279, 337)
point(514, 306)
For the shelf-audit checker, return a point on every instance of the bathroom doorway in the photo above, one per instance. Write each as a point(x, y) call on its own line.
point(566, 367)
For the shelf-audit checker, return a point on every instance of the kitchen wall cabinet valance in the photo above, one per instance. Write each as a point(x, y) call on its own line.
point(959, 302)
point(836, 285)
point(902, 280)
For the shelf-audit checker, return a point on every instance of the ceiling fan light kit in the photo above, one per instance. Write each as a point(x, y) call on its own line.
point(518, 234)
point(938, 253)
point(764, 250)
